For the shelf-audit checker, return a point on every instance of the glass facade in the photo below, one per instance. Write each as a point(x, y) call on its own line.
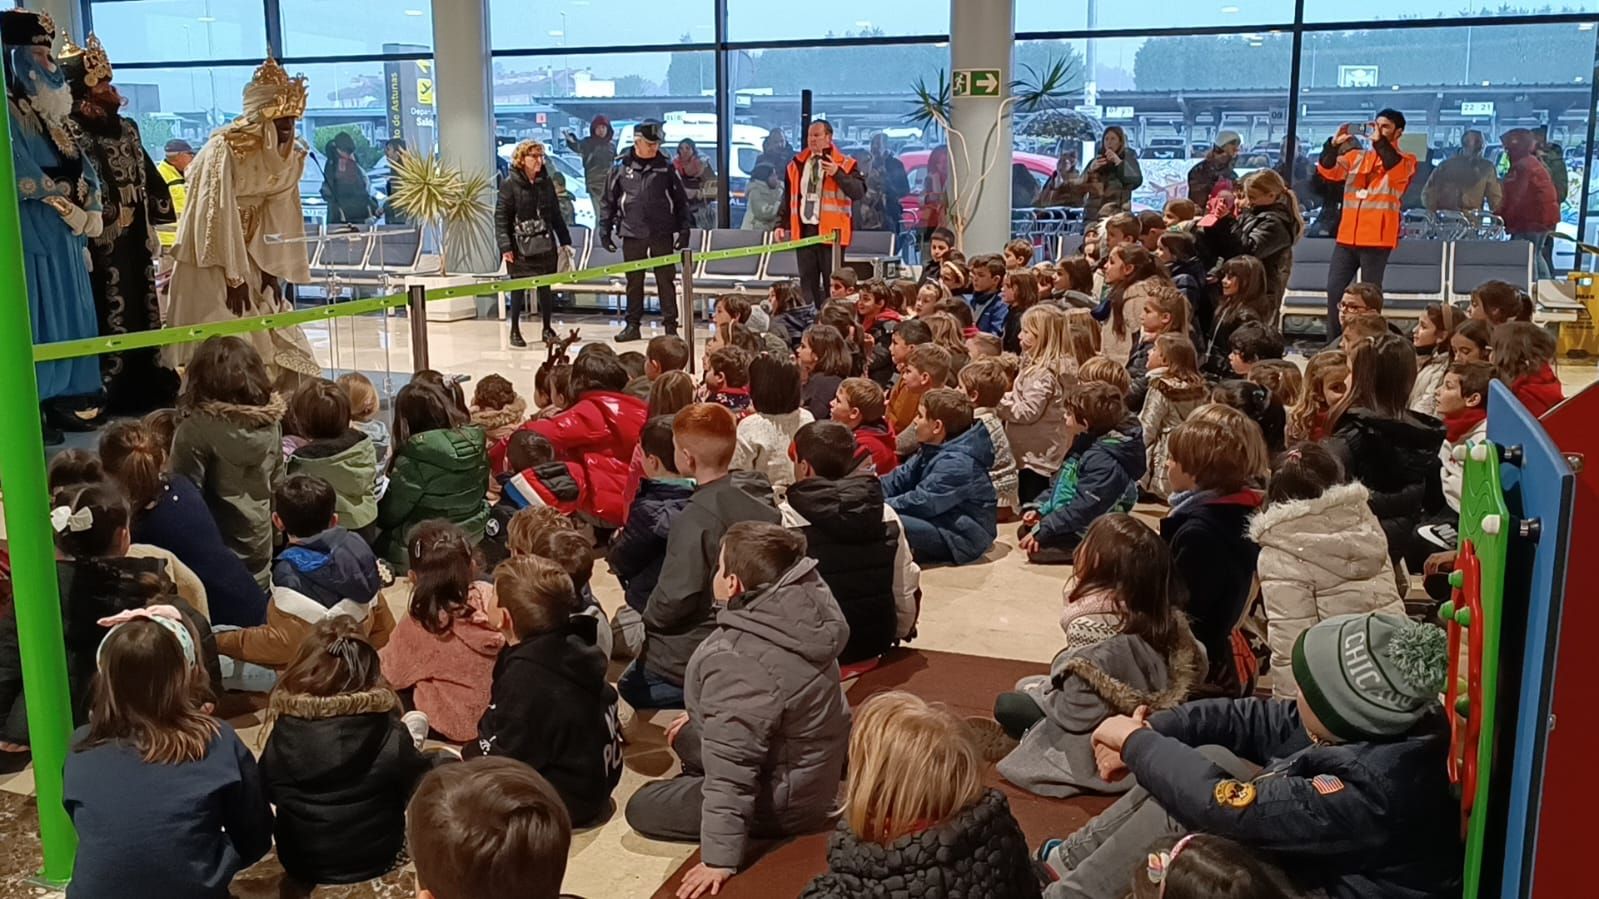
point(1171, 85)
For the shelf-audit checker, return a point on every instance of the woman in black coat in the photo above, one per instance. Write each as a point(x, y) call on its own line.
point(531, 232)
point(1266, 230)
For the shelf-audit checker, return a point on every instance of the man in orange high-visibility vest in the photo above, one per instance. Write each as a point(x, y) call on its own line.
point(1375, 179)
point(822, 184)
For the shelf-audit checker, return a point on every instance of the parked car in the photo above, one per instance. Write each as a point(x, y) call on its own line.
point(915, 162)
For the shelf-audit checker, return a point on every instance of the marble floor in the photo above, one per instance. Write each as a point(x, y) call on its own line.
point(998, 607)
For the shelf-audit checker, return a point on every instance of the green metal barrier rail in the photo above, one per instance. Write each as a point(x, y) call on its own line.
point(22, 470)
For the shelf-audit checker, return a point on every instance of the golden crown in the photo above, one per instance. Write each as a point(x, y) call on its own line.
point(92, 60)
point(288, 94)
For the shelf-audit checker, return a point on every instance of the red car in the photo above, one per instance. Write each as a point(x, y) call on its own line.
point(915, 162)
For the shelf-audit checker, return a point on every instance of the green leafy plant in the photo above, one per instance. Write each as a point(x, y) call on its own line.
point(452, 204)
point(1039, 89)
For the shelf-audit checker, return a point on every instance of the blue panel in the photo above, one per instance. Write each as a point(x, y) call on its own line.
point(1545, 485)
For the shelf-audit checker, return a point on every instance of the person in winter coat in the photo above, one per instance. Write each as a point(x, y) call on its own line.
point(324, 572)
point(1033, 408)
point(1463, 408)
point(1066, 186)
point(820, 186)
point(1267, 228)
point(531, 233)
point(1531, 208)
point(499, 411)
point(598, 432)
point(679, 612)
point(1322, 553)
point(767, 433)
point(1382, 444)
point(764, 199)
point(229, 441)
point(339, 763)
point(857, 540)
point(1374, 181)
point(644, 203)
point(1136, 650)
point(169, 512)
point(438, 471)
point(917, 820)
point(986, 382)
point(598, 152)
point(1348, 789)
point(1115, 172)
point(1178, 251)
point(551, 707)
point(859, 405)
point(699, 183)
point(638, 551)
point(1211, 460)
point(766, 735)
point(342, 456)
point(344, 186)
point(1215, 168)
point(1098, 475)
point(942, 494)
point(1176, 389)
point(442, 654)
point(1464, 181)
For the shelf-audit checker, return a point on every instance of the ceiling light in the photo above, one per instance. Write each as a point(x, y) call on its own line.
point(1229, 10)
point(413, 12)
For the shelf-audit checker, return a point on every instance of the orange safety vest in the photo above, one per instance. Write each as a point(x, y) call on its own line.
point(1372, 197)
point(835, 209)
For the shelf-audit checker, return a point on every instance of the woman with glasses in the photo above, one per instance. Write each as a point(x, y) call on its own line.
point(532, 233)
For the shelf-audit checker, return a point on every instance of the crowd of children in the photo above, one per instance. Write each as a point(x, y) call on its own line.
point(769, 523)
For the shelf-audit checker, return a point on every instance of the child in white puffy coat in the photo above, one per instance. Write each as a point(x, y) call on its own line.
point(1322, 553)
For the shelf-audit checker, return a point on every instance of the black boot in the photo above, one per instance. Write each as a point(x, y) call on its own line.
point(629, 334)
point(52, 436)
point(550, 337)
point(516, 336)
point(60, 415)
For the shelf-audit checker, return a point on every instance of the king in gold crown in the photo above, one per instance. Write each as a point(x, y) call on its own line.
point(273, 94)
point(89, 64)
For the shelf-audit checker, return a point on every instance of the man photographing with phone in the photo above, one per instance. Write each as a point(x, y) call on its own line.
point(1375, 173)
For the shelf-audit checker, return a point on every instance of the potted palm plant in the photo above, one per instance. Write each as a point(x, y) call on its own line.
point(455, 211)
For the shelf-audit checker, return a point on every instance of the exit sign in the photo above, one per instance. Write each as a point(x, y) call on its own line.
point(977, 83)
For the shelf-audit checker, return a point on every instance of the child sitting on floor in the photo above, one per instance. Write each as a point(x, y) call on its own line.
point(1032, 410)
point(1325, 383)
point(727, 379)
point(1201, 866)
point(1211, 460)
point(1103, 370)
point(859, 405)
point(925, 368)
point(916, 817)
point(337, 453)
point(1250, 343)
point(1322, 553)
point(942, 493)
point(764, 436)
point(443, 652)
point(1364, 747)
point(456, 857)
point(166, 800)
point(1463, 406)
point(680, 611)
point(639, 549)
point(764, 742)
point(1127, 645)
point(1099, 475)
point(857, 541)
point(365, 412)
point(324, 572)
point(557, 541)
point(1175, 389)
point(438, 471)
point(551, 707)
point(498, 411)
point(339, 762)
point(986, 383)
point(1523, 353)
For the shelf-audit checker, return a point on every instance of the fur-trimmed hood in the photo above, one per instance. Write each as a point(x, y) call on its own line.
point(495, 422)
point(1179, 391)
point(1333, 538)
point(1185, 668)
point(303, 705)
point(238, 414)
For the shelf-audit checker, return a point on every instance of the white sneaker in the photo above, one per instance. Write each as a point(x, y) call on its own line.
point(417, 724)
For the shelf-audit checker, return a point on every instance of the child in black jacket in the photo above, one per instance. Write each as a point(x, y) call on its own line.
point(340, 763)
point(637, 553)
point(551, 706)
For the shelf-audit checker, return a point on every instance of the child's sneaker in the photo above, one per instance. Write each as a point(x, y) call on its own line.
point(417, 724)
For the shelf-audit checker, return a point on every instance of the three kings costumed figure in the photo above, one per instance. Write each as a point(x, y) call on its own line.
point(244, 186)
point(134, 199)
point(58, 196)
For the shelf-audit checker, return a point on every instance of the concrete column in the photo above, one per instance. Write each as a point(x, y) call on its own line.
point(463, 96)
point(68, 16)
point(982, 36)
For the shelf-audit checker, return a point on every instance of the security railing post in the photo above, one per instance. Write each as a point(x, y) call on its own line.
point(416, 310)
point(689, 307)
point(838, 251)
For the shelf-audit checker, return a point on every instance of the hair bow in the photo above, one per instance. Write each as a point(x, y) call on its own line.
point(166, 616)
point(63, 519)
point(1160, 862)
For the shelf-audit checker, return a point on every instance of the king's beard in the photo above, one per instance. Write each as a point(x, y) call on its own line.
point(53, 103)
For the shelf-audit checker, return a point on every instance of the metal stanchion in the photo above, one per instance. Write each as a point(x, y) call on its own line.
point(838, 250)
point(416, 310)
point(689, 306)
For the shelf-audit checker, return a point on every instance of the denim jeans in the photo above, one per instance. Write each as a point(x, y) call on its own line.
point(644, 689)
point(926, 541)
point(242, 676)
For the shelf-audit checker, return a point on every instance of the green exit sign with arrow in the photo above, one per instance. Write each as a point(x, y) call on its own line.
point(977, 83)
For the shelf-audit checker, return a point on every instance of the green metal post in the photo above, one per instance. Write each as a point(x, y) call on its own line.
point(27, 511)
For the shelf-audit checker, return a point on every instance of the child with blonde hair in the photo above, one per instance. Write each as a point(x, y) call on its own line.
point(1176, 389)
point(1032, 410)
point(1325, 382)
point(915, 784)
point(365, 411)
point(1104, 370)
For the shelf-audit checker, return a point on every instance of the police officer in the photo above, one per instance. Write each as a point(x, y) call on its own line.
point(646, 205)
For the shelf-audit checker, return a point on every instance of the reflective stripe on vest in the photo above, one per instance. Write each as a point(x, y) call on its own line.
point(1372, 208)
point(834, 208)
